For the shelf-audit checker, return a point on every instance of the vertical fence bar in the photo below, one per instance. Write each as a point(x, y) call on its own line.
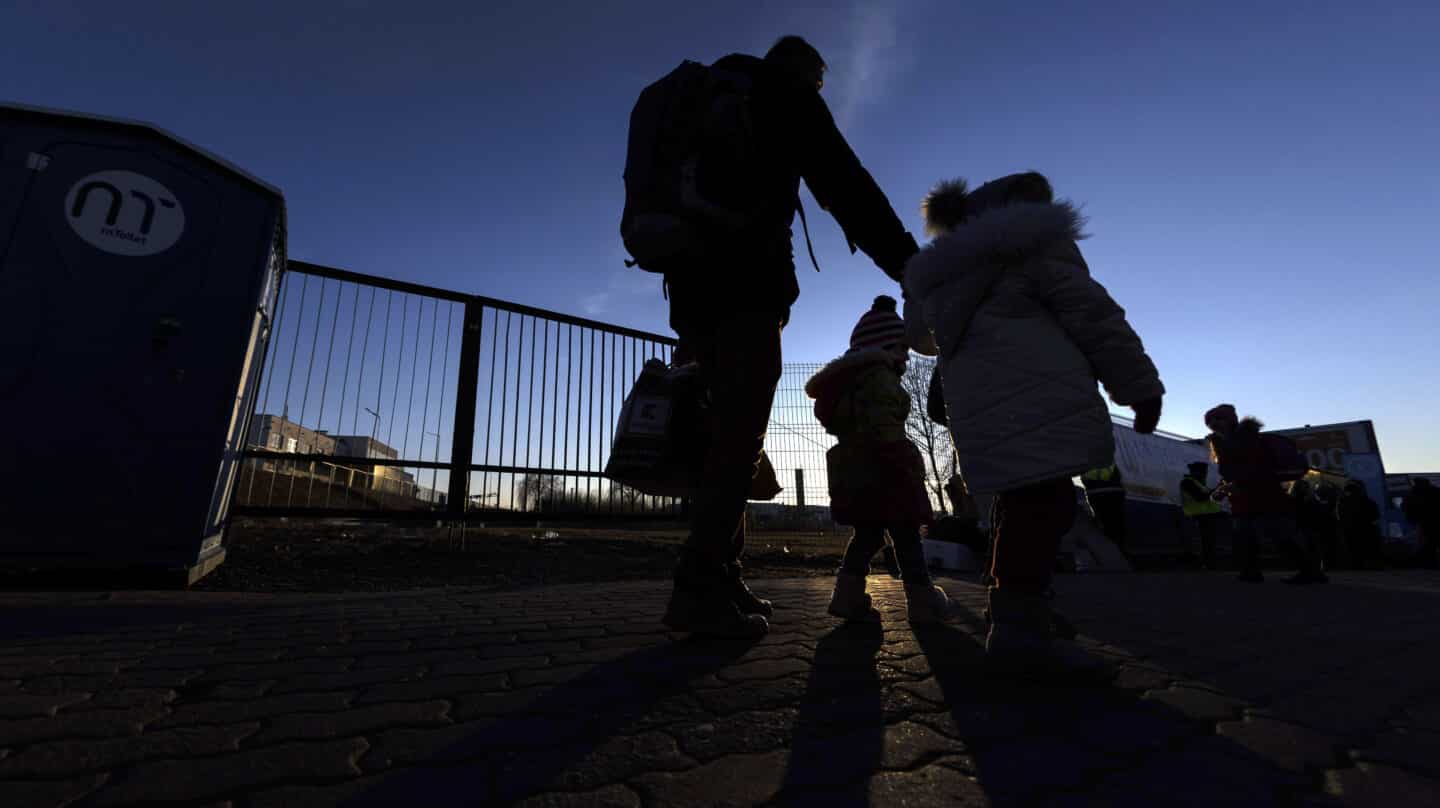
point(399, 368)
point(414, 370)
point(544, 383)
point(349, 357)
point(490, 408)
point(364, 351)
point(467, 389)
point(325, 382)
point(279, 313)
point(289, 379)
point(519, 369)
point(329, 360)
point(590, 418)
point(555, 402)
point(530, 404)
point(504, 399)
point(425, 405)
point(569, 373)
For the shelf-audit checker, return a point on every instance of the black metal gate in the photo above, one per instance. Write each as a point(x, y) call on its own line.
point(394, 400)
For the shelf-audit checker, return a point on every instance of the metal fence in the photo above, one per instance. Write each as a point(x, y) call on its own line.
point(384, 397)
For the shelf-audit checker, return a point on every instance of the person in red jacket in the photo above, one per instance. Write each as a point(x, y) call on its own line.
point(1258, 501)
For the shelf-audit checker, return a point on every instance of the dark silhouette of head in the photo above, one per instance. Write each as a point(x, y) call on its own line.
point(1198, 469)
point(798, 61)
point(1222, 418)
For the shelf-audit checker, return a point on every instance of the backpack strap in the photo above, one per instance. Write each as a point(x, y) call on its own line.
point(804, 225)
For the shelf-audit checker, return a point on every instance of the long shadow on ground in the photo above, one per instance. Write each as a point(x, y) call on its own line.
point(885, 713)
point(552, 742)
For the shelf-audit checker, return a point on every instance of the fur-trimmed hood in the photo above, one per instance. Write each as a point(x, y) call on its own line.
point(1248, 428)
point(993, 238)
point(839, 374)
point(971, 257)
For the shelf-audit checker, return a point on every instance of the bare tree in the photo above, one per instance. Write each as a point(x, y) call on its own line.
point(536, 490)
point(932, 439)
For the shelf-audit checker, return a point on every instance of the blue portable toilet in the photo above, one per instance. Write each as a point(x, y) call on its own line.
point(139, 275)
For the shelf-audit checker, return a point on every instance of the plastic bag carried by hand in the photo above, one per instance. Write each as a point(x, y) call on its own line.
point(662, 433)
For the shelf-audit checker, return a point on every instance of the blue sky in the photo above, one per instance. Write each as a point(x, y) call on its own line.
point(1261, 179)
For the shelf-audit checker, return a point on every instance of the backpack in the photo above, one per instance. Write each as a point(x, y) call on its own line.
point(692, 124)
point(1285, 458)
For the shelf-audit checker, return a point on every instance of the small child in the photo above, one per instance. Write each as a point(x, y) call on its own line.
point(876, 475)
point(1004, 299)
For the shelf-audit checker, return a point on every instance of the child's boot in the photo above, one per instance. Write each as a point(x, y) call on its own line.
point(926, 603)
point(850, 600)
point(1022, 642)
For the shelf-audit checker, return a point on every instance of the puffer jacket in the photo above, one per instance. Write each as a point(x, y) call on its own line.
point(875, 474)
point(1022, 333)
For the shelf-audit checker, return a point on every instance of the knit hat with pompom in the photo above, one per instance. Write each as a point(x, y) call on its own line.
point(878, 327)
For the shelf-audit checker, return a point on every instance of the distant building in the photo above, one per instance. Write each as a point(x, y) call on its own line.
point(387, 479)
point(364, 446)
point(279, 434)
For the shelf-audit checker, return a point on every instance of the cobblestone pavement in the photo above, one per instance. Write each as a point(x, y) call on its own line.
point(575, 695)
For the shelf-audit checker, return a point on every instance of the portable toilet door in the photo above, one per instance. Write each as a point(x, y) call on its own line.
point(140, 275)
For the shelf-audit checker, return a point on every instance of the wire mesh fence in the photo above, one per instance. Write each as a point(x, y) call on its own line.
point(796, 443)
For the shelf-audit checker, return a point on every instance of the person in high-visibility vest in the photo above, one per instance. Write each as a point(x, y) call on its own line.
point(1105, 491)
point(1206, 513)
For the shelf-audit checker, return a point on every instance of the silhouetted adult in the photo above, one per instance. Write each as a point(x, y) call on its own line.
point(1258, 502)
point(730, 298)
point(1357, 514)
point(1200, 508)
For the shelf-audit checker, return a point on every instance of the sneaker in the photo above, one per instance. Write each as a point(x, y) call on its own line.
point(706, 608)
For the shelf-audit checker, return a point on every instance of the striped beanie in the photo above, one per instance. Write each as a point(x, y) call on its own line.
point(878, 327)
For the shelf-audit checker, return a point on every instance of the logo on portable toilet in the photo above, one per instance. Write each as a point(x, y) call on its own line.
point(124, 213)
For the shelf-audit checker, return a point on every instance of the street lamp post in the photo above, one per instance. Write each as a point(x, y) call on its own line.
point(374, 430)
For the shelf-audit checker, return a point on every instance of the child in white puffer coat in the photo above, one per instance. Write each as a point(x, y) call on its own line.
point(1022, 333)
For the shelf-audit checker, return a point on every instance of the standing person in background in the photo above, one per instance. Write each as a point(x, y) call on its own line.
point(1327, 527)
point(1258, 502)
point(1105, 491)
point(1422, 508)
point(1200, 508)
point(1309, 517)
point(1357, 514)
